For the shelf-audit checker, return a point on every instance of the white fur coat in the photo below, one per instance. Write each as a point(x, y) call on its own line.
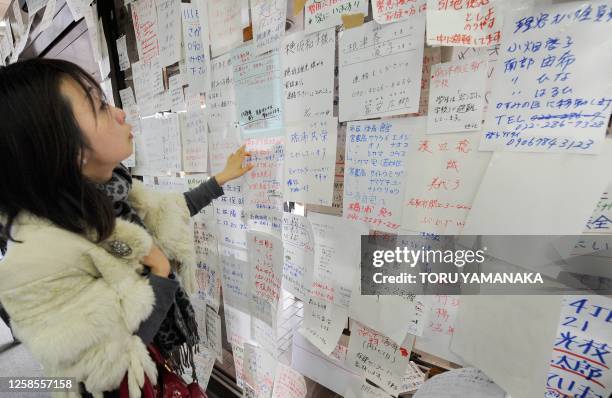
point(77, 306)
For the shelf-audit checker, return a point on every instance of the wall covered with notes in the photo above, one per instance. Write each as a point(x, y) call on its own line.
point(424, 117)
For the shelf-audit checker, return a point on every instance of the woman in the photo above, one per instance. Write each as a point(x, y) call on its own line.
point(91, 274)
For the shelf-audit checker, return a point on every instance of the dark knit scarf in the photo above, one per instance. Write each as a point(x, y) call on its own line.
point(177, 338)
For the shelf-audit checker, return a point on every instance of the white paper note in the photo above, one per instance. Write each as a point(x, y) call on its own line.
point(545, 97)
point(600, 221)
point(288, 383)
point(124, 60)
point(578, 180)
point(498, 333)
point(231, 226)
point(257, 82)
point(225, 25)
point(194, 140)
point(266, 259)
point(382, 360)
point(440, 327)
point(580, 363)
point(263, 184)
point(464, 23)
point(310, 157)
point(268, 23)
point(322, 15)
point(459, 383)
point(443, 173)
point(221, 106)
point(380, 69)
point(374, 173)
point(299, 246)
point(144, 17)
point(308, 71)
point(169, 35)
point(456, 96)
point(388, 11)
point(195, 44)
point(213, 333)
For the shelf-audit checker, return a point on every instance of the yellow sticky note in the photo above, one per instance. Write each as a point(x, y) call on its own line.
point(352, 20)
point(298, 6)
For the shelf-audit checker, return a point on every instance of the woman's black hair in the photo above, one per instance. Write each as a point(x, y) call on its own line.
point(41, 168)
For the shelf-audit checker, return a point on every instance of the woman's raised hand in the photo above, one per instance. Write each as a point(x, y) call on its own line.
point(234, 166)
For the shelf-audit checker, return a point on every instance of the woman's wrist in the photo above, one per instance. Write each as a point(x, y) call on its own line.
point(221, 178)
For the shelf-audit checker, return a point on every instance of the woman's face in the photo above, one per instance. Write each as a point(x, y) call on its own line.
point(109, 136)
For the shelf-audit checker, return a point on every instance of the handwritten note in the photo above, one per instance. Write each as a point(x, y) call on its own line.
point(213, 332)
point(440, 327)
point(374, 174)
point(259, 370)
point(380, 313)
point(124, 61)
point(265, 220)
point(148, 84)
point(235, 278)
point(459, 383)
point(337, 255)
point(456, 96)
point(580, 364)
point(545, 98)
point(381, 359)
point(491, 54)
point(308, 72)
point(463, 23)
point(204, 362)
point(413, 379)
point(431, 56)
point(257, 82)
point(380, 69)
point(387, 11)
point(298, 244)
point(310, 161)
point(176, 94)
point(324, 321)
point(224, 140)
point(169, 31)
point(444, 172)
point(194, 140)
point(162, 143)
point(266, 259)
point(195, 43)
point(144, 17)
point(268, 23)
point(208, 274)
point(221, 105)
point(237, 324)
point(264, 188)
point(326, 309)
point(288, 383)
point(320, 15)
point(600, 221)
point(224, 17)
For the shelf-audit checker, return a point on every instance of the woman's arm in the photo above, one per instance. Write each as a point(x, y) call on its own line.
point(164, 290)
point(202, 195)
point(210, 189)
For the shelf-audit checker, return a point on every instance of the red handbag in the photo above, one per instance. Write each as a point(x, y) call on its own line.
point(169, 384)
